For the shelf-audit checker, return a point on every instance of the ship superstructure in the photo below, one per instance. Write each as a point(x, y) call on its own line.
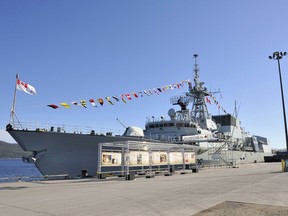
point(218, 135)
point(185, 122)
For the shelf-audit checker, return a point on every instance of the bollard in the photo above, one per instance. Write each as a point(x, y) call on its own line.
point(285, 165)
point(130, 176)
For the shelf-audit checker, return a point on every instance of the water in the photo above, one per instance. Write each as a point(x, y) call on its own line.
point(15, 170)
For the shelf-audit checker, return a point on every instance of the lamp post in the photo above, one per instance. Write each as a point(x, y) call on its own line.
point(278, 56)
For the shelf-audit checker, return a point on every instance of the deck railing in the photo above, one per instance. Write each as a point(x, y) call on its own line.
point(62, 128)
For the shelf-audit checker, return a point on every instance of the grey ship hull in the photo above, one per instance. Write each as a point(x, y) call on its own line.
point(64, 153)
point(67, 154)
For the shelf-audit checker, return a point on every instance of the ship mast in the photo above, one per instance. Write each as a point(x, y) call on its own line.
point(199, 110)
point(12, 113)
point(196, 94)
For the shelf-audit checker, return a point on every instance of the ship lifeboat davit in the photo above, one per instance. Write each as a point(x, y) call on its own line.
point(134, 131)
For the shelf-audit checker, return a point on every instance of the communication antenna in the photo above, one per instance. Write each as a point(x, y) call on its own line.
point(236, 110)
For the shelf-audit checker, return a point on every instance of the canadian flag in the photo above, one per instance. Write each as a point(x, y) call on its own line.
point(22, 86)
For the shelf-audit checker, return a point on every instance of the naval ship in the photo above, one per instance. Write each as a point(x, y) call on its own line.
point(217, 139)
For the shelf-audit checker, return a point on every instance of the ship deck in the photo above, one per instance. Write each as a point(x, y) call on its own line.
point(251, 189)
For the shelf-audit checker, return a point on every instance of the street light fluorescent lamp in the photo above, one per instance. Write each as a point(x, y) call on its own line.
point(277, 56)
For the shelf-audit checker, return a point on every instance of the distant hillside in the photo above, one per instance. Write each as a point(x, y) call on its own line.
point(11, 151)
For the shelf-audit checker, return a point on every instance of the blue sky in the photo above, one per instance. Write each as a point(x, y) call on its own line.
point(74, 50)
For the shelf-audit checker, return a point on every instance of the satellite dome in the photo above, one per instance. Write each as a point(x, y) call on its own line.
point(171, 112)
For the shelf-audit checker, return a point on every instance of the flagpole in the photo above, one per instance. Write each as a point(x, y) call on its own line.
point(14, 102)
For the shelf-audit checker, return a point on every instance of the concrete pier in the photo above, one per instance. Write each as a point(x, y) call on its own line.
point(261, 188)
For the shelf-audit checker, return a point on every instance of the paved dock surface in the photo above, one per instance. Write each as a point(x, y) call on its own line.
point(260, 189)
